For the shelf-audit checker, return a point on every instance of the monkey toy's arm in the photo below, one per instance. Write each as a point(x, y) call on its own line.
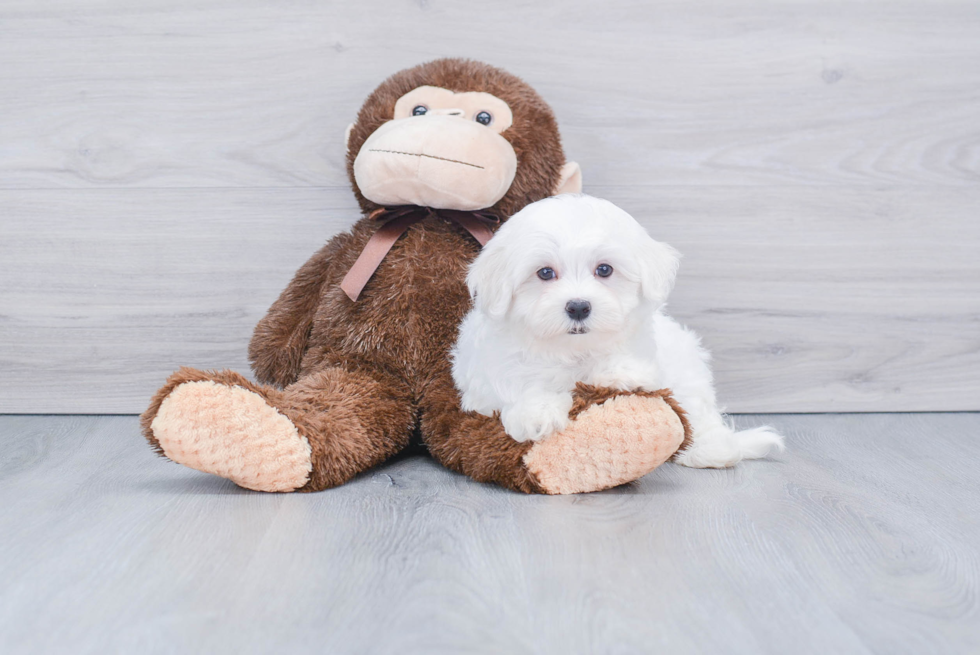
point(280, 338)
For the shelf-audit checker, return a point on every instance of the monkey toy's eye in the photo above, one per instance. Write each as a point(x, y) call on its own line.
point(420, 110)
point(484, 118)
point(546, 273)
point(603, 270)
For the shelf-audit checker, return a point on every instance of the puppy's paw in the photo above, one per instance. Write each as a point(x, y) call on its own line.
point(627, 379)
point(721, 447)
point(536, 417)
point(481, 404)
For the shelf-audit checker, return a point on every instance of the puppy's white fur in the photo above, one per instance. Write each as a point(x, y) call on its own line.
point(519, 353)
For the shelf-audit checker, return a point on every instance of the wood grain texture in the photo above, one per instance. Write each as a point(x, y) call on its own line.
point(247, 93)
point(811, 299)
point(164, 168)
point(861, 538)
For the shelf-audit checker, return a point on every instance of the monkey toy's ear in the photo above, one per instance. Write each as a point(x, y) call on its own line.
point(570, 180)
point(350, 128)
point(658, 268)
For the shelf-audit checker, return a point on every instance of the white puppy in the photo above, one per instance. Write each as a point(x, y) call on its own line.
point(571, 289)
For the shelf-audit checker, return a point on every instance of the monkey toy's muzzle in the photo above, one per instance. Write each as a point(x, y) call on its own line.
point(440, 161)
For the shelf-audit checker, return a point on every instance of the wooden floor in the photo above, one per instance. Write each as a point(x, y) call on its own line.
point(863, 537)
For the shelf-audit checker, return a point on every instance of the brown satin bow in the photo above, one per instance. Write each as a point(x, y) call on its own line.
point(397, 221)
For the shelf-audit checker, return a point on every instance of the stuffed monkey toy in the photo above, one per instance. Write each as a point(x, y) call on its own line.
point(353, 358)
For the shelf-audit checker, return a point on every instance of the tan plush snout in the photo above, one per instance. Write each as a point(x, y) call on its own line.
point(440, 160)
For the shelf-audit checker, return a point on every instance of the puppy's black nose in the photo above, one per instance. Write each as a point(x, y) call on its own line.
point(578, 310)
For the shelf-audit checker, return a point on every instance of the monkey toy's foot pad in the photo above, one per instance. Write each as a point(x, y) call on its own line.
point(610, 442)
point(232, 432)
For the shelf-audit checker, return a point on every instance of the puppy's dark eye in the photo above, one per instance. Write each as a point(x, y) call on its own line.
point(547, 273)
point(484, 118)
point(603, 270)
point(420, 110)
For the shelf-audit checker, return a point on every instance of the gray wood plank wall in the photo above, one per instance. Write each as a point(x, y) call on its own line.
point(165, 166)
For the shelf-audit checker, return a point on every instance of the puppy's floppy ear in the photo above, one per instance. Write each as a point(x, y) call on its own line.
point(491, 278)
point(658, 268)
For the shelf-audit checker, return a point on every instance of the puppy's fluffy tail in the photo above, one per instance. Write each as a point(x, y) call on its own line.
point(757, 442)
point(721, 446)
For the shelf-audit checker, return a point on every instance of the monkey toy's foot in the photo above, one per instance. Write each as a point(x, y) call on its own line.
point(615, 438)
point(220, 423)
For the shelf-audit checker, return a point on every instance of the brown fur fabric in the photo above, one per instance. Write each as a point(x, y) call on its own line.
point(358, 378)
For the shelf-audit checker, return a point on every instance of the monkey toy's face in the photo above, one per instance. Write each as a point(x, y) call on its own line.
point(441, 150)
point(457, 134)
